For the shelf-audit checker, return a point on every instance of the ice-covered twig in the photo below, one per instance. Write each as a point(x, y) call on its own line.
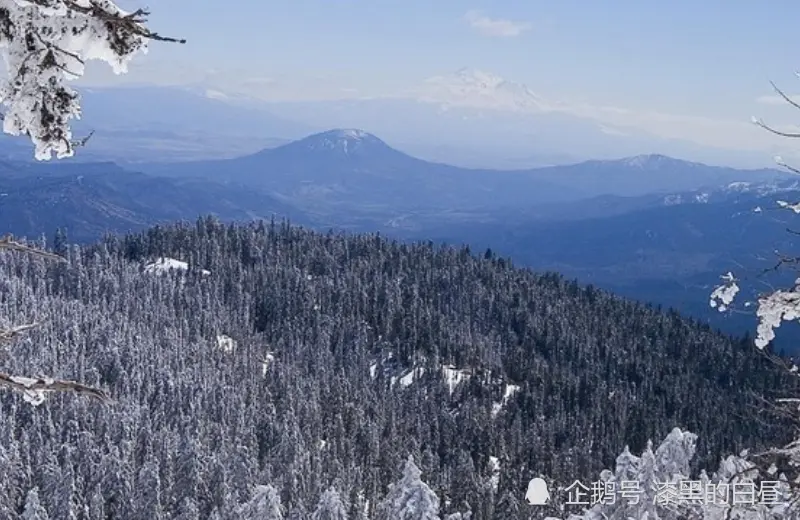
point(11, 333)
point(758, 122)
point(75, 143)
point(781, 305)
point(780, 162)
point(46, 43)
point(35, 389)
point(116, 18)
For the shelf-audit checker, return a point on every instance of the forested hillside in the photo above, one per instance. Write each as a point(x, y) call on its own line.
point(300, 360)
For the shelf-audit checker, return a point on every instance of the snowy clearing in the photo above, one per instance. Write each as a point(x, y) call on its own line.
point(165, 264)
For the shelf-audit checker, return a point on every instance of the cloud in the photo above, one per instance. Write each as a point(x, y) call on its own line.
point(496, 27)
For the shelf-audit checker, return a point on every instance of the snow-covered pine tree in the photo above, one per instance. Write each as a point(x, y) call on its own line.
point(264, 505)
point(33, 507)
point(646, 487)
point(188, 510)
point(410, 498)
point(330, 506)
point(147, 503)
point(46, 43)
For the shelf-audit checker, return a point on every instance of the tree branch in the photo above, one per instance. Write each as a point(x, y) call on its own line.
point(8, 242)
point(12, 333)
point(132, 23)
point(35, 386)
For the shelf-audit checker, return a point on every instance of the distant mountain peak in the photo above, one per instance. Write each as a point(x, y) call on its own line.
point(478, 77)
point(474, 88)
point(651, 161)
point(351, 134)
point(341, 142)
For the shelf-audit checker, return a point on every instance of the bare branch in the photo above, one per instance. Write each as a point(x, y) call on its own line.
point(83, 140)
point(784, 96)
point(780, 162)
point(763, 125)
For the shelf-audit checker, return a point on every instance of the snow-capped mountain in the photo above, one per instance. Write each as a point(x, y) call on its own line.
point(653, 162)
point(340, 142)
point(474, 88)
point(469, 112)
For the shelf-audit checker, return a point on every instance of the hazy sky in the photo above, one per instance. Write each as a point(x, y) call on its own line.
point(681, 53)
point(708, 59)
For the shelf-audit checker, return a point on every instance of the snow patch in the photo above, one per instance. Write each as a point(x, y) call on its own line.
point(409, 377)
point(738, 186)
point(494, 467)
point(226, 343)
point(454, 377)
point(165, 264)
point(266, 362)
point(508, 393)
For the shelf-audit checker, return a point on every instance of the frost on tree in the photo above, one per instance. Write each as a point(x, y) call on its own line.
point(658, 486)
point(781, 465)
point(34, 389)
point(410, 499)
point(265, 505)
point(642, 487)
point(45, 43)
point(330, 507)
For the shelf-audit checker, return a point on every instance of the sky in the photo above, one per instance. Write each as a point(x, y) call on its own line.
point(709, 62)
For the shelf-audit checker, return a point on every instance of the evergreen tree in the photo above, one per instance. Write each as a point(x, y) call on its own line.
point(410, 498)
point(264, 505)
point(148, 493)
point(33, 508)
point(330, 507)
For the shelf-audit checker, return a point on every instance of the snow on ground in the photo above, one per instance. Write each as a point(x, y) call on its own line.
point(508, 394)
point(494, 465)
point(226, 343)
point(453, 376)
point(164, 264)
point(266, 362)
point(408, 378)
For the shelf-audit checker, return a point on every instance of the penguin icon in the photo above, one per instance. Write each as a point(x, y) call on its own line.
point(537, 494)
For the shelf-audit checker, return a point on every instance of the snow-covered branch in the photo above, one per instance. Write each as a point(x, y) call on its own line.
point(47, 42)
point(35, 389)
point(8, 243)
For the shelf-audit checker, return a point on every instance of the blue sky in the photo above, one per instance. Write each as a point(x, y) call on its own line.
point(710, 59)
point(671, 53)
